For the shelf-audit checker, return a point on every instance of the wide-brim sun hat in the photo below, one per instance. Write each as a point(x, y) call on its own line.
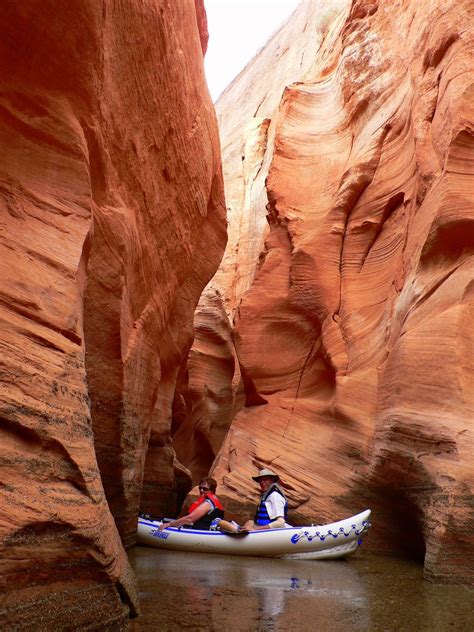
point(263, 473)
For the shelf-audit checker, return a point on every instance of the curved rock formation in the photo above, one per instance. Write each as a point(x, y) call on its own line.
point(112, 222)
point(353, 320)
point(211, 392)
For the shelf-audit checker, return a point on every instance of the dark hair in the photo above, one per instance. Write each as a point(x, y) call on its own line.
point(210, 482)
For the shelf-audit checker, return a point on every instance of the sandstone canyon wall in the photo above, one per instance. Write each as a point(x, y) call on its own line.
point(348, 152)
point(210, 392)
point(112, 222)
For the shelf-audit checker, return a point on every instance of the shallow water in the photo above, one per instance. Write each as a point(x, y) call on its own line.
point(199, 592)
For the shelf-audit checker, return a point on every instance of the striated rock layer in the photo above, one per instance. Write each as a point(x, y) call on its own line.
point(210, 392)
point(352, 130)
point(111, 224)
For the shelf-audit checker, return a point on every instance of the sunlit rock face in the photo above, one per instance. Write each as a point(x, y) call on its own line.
point(352, 131)
point(112, 223)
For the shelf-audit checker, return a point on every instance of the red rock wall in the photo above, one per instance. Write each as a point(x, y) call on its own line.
point(211, 391)
point(353, 321)
point(112, 222)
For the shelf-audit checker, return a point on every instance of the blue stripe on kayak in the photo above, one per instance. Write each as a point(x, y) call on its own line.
point(260, 532)
point(175, 530)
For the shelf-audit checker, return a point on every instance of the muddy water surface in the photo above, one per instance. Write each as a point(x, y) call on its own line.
point(198, 592)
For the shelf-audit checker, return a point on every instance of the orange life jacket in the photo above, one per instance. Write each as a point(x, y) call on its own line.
point(217, 511)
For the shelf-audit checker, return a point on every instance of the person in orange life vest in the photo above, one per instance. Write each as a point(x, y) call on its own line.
point(206, 513)
point(272, 510)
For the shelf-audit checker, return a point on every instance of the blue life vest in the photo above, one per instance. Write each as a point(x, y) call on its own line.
point(261, 515)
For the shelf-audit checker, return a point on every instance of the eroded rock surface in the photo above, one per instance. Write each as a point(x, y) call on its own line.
point(112, 223)
point(353, 131)
point(211, 391)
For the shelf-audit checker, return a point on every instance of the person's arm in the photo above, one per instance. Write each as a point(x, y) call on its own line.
point(194, 516)
point(278, 523)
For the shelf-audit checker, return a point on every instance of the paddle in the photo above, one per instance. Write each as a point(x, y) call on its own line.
point(237, 534)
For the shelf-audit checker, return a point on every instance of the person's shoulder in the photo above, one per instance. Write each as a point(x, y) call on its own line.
point(277, 494)
point(274, 495)
point(211, 499)
point(276, 490)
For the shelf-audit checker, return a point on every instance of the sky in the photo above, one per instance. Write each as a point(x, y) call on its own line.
point(237, 30)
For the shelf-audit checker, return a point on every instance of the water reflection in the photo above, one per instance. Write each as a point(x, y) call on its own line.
point(238, 594)
point(212, 592)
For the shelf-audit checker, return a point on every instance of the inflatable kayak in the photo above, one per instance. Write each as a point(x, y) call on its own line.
point(328, 542)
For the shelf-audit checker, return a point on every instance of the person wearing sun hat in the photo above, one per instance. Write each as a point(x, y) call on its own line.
point(272, 510)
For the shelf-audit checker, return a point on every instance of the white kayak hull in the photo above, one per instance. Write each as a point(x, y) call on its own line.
point(331, 541)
